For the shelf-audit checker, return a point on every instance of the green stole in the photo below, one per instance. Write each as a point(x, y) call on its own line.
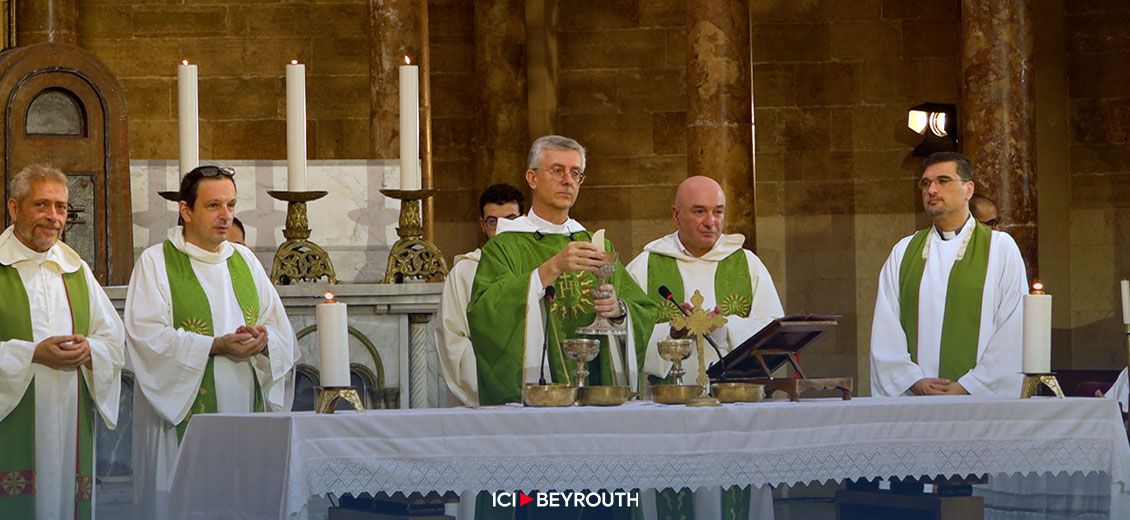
point(192, 313)
point(961, 324)
point(17, 430)
point(498, 324)
point(733, 289)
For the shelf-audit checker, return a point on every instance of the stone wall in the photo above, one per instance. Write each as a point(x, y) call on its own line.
point(832, 81)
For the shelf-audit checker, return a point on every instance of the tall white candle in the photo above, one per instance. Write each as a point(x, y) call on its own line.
point(188, 117)
point(1037, 357)
point(409, 127)
point(333, 342)
point(1125, 286)
point(295, 126)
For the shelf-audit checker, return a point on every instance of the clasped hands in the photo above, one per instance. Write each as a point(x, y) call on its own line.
point(581, 256)
point(241, 344)
point(63, 352)
point(937, 386)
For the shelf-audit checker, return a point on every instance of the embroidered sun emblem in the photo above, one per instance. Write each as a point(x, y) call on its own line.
point(735, 305)
point(574, 294)
point(15, 483)
point(194, 325)
point(667, 311)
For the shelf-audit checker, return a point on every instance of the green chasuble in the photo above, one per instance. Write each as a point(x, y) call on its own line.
point(732, 285)
point(192, 313)
point(17, 430)
point(734, 289)
point(497, 314)
point(961, 325)
point(497, 318)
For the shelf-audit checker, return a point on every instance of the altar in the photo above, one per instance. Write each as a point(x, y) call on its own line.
point(269, 465)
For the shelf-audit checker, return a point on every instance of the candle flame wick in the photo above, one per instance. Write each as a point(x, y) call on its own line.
point(294, 62)
point(1037, 287)
point(184, 62)
point(407, 61)
point(329, 297)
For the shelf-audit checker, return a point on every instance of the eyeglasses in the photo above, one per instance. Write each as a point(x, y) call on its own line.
point(942, 180)
point(216, 171)
point(558, 173)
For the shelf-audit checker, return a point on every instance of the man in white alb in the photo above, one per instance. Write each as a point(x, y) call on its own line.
point(61, 357)
point(206, 332)
point(948, 316)
point(453, 336)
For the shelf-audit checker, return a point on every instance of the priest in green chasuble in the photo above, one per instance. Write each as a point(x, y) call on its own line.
point(61, 357)
point(528, 254)
point(206, 332)
point(949, 314)
point(734, 282)
point(545, 248)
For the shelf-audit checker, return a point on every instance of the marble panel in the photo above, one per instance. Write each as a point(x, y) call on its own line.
point(353, 222)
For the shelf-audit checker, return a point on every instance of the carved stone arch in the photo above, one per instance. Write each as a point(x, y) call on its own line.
point(96, 159)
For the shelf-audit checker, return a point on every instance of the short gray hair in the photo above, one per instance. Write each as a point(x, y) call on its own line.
point(40, 172)
point(553, 142)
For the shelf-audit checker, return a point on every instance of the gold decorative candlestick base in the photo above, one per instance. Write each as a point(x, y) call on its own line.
point(298, 259)
point(327, 399)
point(1032, 382)
point(412, 257)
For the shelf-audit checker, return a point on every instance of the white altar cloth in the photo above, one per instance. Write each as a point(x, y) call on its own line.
point(267, 466)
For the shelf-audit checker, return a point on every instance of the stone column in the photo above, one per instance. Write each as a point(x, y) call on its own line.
point(39, 21)
point(998, 123)
point(720, 116)
point(502, 130)
point(418, 359)
point(394, 32)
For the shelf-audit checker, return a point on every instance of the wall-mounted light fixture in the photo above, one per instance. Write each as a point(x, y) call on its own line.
point(937, 124)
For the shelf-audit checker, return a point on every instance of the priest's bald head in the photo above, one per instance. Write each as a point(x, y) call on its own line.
point(555, 172)
point(38, 206)
point(699, 211)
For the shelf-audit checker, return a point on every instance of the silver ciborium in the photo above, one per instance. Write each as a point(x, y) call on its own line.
point(601, 326)
point(675, 351)
point(582, 351)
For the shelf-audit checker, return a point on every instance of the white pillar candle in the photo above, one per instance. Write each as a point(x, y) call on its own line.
point(333, 342)
point(1037, 331)
point(188, 117)
point(1125, 285)
point(409, 127)
point(295, 126)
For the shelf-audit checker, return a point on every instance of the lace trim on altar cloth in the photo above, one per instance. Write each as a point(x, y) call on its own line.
point(795, 465)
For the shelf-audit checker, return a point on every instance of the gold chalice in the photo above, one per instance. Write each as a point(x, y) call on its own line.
point(601, 326)
point(675, 351)
point(582, 351)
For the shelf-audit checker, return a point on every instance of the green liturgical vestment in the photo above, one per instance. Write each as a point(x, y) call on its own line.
point(17, 430)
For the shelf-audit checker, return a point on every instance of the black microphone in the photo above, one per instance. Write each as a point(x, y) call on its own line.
point(549, 292)
point(666, 294)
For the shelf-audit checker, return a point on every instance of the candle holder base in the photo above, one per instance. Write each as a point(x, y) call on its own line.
point(1032, 383)
point(412, 258)
point(298, 259)
point(328, 397)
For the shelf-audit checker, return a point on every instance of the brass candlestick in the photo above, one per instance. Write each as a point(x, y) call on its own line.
point(412, 257)
point(328, 397)
point(1032, 382)
point(298, 259)
point(699, 323)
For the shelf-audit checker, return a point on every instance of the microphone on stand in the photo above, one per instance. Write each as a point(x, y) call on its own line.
point(666, 294)
point(549, 292)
